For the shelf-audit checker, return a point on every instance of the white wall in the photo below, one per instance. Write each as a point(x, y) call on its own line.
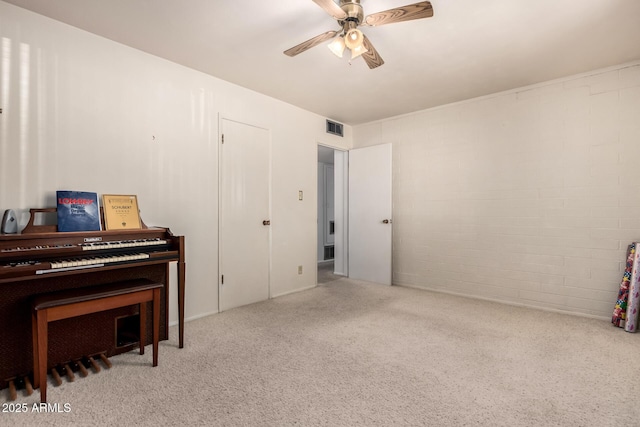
point(85, 113)
point(528, 197)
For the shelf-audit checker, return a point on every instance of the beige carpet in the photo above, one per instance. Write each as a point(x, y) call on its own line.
point(325, 273)
point(349, 353)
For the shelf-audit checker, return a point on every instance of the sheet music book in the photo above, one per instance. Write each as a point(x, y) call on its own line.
point(121, 212)
point(78, 211)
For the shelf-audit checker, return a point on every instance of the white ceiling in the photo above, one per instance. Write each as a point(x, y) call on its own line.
point(467, 49)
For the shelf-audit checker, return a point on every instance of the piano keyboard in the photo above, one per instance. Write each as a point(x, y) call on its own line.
point(82, 263)
point(122, 244)
point(94, 246)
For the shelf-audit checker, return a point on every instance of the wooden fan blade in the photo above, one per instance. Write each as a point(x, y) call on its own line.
point(331, 8)
point(371, 56)
point(310, 43)
point(400, 14)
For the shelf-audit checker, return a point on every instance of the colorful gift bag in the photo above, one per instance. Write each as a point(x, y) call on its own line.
point(633, 301)
point(620, 311)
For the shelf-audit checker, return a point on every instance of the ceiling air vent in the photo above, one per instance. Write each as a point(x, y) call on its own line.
point(334, 128)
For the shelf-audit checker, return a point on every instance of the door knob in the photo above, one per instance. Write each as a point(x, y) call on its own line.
point(386, 221)
point(266, 222)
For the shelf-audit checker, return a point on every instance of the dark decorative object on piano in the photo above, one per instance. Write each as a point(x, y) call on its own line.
point(42, 260)
point(78, 211)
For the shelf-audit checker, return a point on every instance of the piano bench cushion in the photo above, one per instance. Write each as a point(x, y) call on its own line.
point(89, 293)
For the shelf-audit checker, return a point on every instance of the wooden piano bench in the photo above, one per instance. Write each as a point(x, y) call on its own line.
point(77, 302)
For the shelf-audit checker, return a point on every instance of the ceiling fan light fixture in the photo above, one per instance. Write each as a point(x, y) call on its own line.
point(357, 51)
point(337, 46)
point(354, 38)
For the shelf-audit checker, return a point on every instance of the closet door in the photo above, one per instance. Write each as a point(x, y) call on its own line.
point(244, 215)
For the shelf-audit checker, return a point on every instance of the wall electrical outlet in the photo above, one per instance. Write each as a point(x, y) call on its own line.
point(299, 269)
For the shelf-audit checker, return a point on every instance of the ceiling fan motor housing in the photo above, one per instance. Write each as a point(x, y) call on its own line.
point(353, 9)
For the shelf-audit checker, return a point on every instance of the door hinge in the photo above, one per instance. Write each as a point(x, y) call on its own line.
point(222, 279)
point(223, 138)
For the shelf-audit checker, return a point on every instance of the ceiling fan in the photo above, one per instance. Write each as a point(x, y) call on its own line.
point(349, 15)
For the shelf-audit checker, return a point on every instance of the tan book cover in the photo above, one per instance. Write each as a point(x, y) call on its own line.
point(120, 212)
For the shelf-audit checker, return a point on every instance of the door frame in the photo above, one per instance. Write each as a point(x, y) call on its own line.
point(222, 118)
point(341, 210)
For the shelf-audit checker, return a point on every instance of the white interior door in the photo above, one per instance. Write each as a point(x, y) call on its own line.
point(244, 215)
point(370, 224)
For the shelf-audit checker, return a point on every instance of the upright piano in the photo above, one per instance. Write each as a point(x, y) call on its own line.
point(34, 263)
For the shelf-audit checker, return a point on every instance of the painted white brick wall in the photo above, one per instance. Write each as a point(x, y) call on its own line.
point(528, 197)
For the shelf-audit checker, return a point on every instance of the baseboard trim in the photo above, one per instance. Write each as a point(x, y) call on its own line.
point(198, 316)
point(511, 303)
point(293, 291)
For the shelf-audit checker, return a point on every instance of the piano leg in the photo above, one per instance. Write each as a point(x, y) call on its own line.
point(156, 324)
point(36, 363)
point(41, 357)
point(143, 324)
point(181, 286)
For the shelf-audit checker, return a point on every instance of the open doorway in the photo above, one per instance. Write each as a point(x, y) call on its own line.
point(332, 214)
